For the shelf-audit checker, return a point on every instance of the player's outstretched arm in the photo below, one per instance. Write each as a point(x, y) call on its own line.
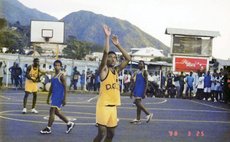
point(124, 53)
point(103, 69)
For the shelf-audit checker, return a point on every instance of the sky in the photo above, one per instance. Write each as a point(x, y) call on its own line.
point(154, 16)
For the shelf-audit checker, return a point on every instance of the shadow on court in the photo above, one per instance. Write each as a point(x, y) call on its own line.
point(176, 120)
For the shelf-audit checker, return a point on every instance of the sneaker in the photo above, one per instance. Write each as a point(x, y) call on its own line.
point(46, 131)
point(69, 127)
point(34, 110)
point(135, 121)
point(149, 117)
point(24, 110)
point(133, 104)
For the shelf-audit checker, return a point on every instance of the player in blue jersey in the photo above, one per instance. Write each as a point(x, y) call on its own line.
point(140, 80)
point(58, 99)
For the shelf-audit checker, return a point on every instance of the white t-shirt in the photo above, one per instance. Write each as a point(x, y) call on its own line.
point(200, 83)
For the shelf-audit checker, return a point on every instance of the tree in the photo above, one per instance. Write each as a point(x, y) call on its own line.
point(10, 38)
point(78, 49)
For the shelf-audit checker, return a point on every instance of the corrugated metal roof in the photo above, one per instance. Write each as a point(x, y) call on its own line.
point(175, 31)
point(148, 51)
point(223, 62)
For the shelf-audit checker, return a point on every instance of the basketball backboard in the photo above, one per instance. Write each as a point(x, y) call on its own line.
point(47, 32)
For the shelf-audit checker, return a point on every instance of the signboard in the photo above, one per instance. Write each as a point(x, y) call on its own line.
point(188, 64)
point(190, 45)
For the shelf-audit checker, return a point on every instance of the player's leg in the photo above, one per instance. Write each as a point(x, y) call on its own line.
point(138, 115)
point(25, 102)
point(47, 130)
point(34, 103)
point(70, 124)
point(51, 116)
point(61, 116)
point(141, 106)
point(102, 134)
point(110, 134)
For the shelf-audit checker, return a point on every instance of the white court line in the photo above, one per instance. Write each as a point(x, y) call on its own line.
point(5, 97)
point(89, 100)
point(134, 108)
point(210, 105)
point(126, 119)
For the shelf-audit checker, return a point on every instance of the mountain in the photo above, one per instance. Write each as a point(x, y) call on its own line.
point(87, 26)
point(13, 11)
point(84, 25)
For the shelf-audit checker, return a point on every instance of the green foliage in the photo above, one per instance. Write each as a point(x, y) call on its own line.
point(79, 49)
point(11, 38)
point(3, 23)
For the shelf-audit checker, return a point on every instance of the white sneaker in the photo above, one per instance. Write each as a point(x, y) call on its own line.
point(34, 110)
point(24, 110)
point(149, 117)
point(135, 121)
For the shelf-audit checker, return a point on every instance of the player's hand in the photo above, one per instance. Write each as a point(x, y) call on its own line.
point(63, 102)
point(107, 30)
point(115, 40)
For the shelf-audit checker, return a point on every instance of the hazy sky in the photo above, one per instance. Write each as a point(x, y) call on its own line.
point(154, 16)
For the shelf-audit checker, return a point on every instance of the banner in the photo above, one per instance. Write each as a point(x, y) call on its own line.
point(187, 64)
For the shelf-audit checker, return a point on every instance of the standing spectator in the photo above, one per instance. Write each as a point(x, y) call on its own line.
point(213, 87)
point(177, 85)
point(156, 79)
point(97, 81)
point(217, 87)
point(2, 72)
point(126, 80)
point(200, 86)
point(207, 85)
point(226, 86)
point(82, 79)
point(169, 85)
point(12, 72)
point(182, 83)
point(24, 72)
point(18, 76)
point(74, 80)
point(189, 82)
point(88, 79)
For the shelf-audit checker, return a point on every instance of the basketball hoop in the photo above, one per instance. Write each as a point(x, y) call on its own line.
point(47, 39)
point(47, 34)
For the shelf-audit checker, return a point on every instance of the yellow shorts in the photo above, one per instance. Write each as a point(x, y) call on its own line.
point(106, 115)
point(31, 86)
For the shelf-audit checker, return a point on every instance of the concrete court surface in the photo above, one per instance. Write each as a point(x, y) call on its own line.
point(175, 120)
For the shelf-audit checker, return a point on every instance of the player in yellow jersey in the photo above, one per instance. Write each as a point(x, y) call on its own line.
point(32, 77)
point(109, 94)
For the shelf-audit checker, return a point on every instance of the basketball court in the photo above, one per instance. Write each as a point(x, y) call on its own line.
point(174, 120)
